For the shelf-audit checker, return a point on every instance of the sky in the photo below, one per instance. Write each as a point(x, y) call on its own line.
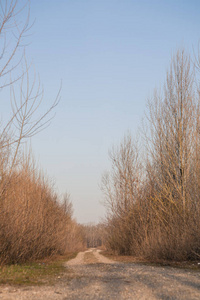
point(109, 56)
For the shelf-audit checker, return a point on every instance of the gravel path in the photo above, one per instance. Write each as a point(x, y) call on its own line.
point(93, 276)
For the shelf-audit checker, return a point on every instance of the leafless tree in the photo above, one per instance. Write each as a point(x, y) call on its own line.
point(13, 31)
point(121, 187)
point(34, 222)
point(155, 211)
point(121, 184)
point(26, 92)
point(172, 123)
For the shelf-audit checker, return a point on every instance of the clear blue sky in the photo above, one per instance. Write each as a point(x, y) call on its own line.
point(110, 55)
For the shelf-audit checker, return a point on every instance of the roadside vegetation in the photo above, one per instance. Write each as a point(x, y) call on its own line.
point(152, 192)
point(35, 222)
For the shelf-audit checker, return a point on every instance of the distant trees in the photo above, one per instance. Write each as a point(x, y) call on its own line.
point(165, 208)
point(93, 235)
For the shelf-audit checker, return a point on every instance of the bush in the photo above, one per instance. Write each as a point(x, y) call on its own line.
point(33, 224)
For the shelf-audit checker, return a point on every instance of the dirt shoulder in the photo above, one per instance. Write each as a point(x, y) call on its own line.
point(93, 276)
point(190, 265)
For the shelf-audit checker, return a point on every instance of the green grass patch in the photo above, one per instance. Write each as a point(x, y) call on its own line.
point(35, 273)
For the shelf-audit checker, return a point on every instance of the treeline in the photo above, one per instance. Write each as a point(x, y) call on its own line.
point(94, 235)
point(34, 221)
point(152, 191)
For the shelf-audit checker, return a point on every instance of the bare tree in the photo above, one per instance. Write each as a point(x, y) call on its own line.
point(13, 31)
point(155, 211)
point(171, 120)
point(26, 92)
point(121, 187)
point(34, 222)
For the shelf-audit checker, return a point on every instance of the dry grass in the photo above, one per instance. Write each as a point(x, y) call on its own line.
point(191, 265)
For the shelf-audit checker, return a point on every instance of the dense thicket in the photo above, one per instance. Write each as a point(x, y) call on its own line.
point(34, 222)
point(153, 199)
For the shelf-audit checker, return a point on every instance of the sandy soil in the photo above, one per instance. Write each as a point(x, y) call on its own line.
point(93, 276)
point(90, 256)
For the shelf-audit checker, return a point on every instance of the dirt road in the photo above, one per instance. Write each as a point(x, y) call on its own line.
point(92, 276)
